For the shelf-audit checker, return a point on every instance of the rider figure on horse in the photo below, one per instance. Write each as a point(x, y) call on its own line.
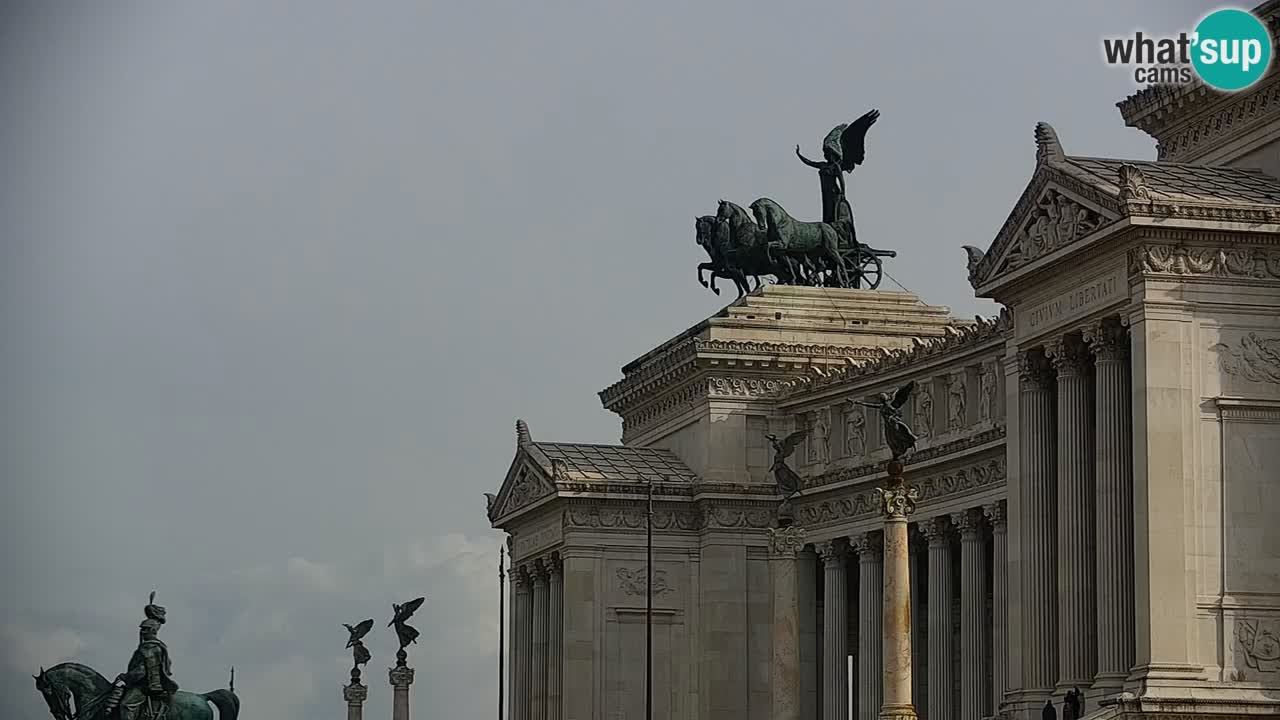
point(148, 680)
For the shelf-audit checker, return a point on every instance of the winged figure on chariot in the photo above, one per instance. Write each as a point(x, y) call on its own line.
point(746, 245)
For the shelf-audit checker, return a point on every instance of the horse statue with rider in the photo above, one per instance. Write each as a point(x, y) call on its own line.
point(145, 691)
point(747, 245)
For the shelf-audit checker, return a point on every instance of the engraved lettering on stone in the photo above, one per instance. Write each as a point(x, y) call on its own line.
point(956, 402)
point(1253, 358)
point(1260, 643)
point(633, 582)
point(1079, 301)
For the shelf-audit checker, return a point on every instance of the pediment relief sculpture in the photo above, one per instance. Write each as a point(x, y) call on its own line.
point(1055, 221)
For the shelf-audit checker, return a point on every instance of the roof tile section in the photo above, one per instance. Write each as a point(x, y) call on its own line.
point(613, 463)
point(1189, 183)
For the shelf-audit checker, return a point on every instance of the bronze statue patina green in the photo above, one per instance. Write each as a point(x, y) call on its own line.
point(897, 435)
point(746, 246)
point(146, 691)
point(355, 642)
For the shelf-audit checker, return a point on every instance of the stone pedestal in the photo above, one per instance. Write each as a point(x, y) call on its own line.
point(355, 695)
point(401, 677)
point(897, 502)
point(784, 545)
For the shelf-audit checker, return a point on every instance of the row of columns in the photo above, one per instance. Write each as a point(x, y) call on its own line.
point(537, 639)
point(936, 685)
point(1076, 493)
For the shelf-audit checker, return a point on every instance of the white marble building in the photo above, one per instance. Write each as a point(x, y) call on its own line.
point(1099, 466)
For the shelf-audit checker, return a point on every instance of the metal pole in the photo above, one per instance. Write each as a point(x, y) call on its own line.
point(502, 603)
point(648, 612)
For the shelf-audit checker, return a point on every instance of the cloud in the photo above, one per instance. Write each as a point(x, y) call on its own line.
point(316, 576)
point(26, 649)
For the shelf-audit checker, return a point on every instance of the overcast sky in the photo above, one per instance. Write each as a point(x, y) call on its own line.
point(276, 282)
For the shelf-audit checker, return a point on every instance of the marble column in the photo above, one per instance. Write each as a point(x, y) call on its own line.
point(870, 667)
point(521, 705)
point(1037, 466)
point(784, 546)
point(1114, 495)
point(835, 633)
point(355, 695)
point(1077, 598)
point(919, 559)
point(538, 683)
point(401, 677)
point(974, 696)
point(941, 639)
point(897, 501)
point(555, 636)
point(810, 659)
point(997, 515)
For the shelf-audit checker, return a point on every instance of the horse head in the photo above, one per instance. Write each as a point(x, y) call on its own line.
point(56, 696)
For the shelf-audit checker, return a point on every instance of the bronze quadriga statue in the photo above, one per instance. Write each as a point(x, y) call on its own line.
point(767, 241)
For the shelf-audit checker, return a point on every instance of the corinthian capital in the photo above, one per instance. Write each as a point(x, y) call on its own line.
point(1034, 371)
point(1107, 339)
point(786, 542)
point(1069, 356)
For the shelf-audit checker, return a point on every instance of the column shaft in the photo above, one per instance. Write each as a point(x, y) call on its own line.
point(974, 695)
point(1039, 523)
point(870, 622)
point(810, 661)
point(1077, 620)
point(1114, 492)
point(538, 688)
point(995, 513)
point(941, 639)
point(899, 501)
point(835, 633)
point(555, 638)
point(523, 703)
point(919, 559)
point(784, 545)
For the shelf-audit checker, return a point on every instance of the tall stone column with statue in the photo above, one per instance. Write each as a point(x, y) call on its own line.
point(401, 676)
point(356, 692)
point(897, 501)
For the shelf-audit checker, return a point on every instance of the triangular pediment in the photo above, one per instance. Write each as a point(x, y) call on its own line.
point(528, 480)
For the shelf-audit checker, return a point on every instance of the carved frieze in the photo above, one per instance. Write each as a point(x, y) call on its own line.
point(1252, 357)
point(745, 387)
point(958, 445)
point(631, 518)
point(1220, 262)
point(1259, 642)
point(635, 582)
point(869, 502)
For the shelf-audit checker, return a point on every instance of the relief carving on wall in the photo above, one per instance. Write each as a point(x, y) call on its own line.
point(1056, 221)
point(956, 402)
point(1237, 262)
point(524, 490)
point(1260, 643)
point(855, 430)
point(923, 419)
point(986, 393)
point(1254, 358)
point(633, 582)
point(820, 444)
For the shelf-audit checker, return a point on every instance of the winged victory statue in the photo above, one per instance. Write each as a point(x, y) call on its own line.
point(897, 435)
point(406, 633)
point(787, 480)
point(359, 653)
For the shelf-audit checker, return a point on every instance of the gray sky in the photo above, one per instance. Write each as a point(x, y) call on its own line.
point(274, 284)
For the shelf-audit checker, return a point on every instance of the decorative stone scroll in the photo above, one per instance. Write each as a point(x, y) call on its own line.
point(1221, 262)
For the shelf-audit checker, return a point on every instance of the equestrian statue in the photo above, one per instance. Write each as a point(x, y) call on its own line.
point(745, 246)
point(145, 691)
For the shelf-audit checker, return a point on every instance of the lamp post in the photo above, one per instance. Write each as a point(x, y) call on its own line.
point(648, 611)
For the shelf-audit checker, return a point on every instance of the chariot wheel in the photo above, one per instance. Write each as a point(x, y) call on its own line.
point(867, 271)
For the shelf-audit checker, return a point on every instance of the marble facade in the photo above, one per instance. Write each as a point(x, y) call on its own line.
point(1097, 467)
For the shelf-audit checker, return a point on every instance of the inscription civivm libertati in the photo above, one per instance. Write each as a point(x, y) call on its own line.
point(1083, 298)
